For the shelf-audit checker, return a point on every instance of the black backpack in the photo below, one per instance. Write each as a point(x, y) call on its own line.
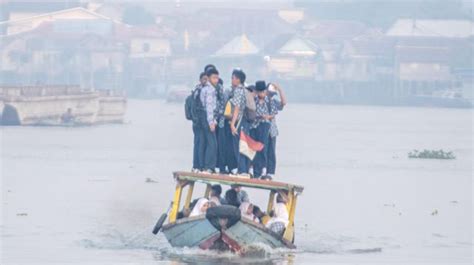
point(197, 107)
point(188, 106)
point(193, 105)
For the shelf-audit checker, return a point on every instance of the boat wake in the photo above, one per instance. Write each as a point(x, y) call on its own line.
point(252, 253)
point(117, 239)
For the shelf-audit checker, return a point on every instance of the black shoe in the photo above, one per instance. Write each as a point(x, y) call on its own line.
point(266, 177)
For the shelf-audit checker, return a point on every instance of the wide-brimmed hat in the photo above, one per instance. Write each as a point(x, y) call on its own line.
point(260, 86)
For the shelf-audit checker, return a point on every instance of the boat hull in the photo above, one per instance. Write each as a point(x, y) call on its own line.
point(245, 233)
point(189, 232)
point(199, 232)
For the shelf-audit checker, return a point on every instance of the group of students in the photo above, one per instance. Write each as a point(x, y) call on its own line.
point(220, 116)
point(277, 220)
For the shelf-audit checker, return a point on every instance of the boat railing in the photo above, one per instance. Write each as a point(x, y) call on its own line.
point(232, 180)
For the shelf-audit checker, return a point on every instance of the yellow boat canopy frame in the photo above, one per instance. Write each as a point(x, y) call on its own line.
point(188, 179)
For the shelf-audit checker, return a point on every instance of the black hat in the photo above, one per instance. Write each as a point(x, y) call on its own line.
point(260, 86)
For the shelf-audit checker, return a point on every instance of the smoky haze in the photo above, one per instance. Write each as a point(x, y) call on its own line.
point(378, 128)
point(348, 52)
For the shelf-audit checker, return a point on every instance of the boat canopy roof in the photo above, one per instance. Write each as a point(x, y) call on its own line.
point(229, 180)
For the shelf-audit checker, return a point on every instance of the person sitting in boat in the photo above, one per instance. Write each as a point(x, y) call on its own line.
point(246, 210)
point(242, 195)
point(231, 198)
point(260, 216)
point(200, 208)
point(216, 191)
point(279, 220)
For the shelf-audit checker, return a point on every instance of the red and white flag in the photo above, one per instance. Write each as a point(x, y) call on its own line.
point(248, 146)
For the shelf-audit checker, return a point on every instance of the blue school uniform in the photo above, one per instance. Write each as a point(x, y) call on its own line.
point(261, 132)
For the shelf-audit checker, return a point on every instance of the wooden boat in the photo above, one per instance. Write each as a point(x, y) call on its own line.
point(207, 232)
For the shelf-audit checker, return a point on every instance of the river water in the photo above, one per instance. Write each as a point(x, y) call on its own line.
point(91, 195)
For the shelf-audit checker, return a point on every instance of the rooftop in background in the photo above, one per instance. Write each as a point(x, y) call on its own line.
point(432, 28)
point(29, 23)
point(333, 30)
point(229, 180)
point(238, 46)
point(299, 47)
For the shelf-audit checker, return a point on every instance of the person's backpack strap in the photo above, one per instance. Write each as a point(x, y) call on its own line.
point(197, 105)
point(250, 101)
point(188, 106)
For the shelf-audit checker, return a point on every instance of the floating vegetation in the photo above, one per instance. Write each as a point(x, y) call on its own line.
point(431, 154)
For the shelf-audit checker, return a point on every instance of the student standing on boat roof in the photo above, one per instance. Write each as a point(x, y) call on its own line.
point(223, 133)
point(239, 120)
point(265, 112)
point(237, 80)
point(209, 122)
point(193, 107)
point(273, 91)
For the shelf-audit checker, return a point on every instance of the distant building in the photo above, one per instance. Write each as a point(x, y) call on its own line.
point(81, 47)
point(427, 52)
point(431, 28)
point(238, 46)
point(292, 57)
point(422, 70)
point(15, 26)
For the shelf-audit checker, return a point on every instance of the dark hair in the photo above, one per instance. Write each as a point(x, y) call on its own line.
point(251, 88)
point(217, 189)
point(239, 74)
point(202, 75)
point(231, 198)
point(257, 211)
point(209, 66)
point(212, 71)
